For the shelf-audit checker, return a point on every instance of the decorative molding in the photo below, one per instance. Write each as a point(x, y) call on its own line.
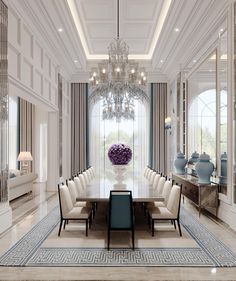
point(30, 95)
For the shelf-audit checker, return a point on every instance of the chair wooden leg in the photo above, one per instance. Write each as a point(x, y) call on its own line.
point(64, 226)
point(133, 238)
point(59, 232)
point(174, 224)
point(180, 232)
point(152, 227)
point(90, 220)
point(86, 227)
point(108, 239)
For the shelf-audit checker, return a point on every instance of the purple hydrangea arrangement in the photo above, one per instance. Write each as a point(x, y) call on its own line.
point(120, 154)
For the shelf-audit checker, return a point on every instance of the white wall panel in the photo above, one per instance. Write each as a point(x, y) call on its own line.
point(27, 73)
point(13, 61)
point(47, 66)
point(13, 28)
point(47, 89)
point(38, 82)
point(38, 55)
point(53, 73)
point(33, 75)
point(52, 94)
point(27, 42)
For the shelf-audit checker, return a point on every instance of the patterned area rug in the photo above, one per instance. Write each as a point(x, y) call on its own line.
point(28, 251)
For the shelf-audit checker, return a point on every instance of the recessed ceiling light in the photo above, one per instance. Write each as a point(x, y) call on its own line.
point(60, 29)
point(75, 61)
point(176, 29)
point(194, 61)
point(161, 61)
point(222, 29)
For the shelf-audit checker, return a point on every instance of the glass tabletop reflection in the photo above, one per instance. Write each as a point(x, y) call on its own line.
point(99, 189)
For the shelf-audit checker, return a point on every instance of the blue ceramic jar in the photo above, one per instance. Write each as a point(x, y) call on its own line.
point(180, 163)
point(223, 168)
point(204, 169)
point(194, 158)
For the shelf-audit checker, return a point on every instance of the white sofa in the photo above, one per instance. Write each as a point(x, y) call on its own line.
point(20, 185)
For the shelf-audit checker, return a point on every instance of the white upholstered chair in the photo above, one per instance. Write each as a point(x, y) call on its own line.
point(82, 180)
point(170, 212)
point(148, 173)
point(160, 185)
point(79, 185)
point(75, 195)
point(69, 212)
point(89, 173)
point(86, 178)
point(93, 171)
point(165, 194)
point(152, 177)
point(145, 172)
point(156, 180)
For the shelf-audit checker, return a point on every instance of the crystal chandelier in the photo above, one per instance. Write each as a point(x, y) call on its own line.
point(118, 81)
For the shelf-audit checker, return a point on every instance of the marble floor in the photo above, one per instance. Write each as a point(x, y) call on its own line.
point(29, 210)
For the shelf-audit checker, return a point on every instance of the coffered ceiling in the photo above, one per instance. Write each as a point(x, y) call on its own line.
point(165, 35)
point(140, 24)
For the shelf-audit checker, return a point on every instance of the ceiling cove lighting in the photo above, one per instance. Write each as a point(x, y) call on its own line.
point(118, 81)
point(164, 11)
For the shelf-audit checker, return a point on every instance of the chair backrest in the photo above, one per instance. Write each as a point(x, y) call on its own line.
point(65, 201)
point(73, 190)
point(86, 178)
point(160, 185)
point(89, 173)
point(120, 210)
point(152, 177)
point(166, 190)
point(93, 171)
point(82, 180)
point(173, 203)
point(145, 171)
point(78, 185)
point(148, 173)
point(156, 180)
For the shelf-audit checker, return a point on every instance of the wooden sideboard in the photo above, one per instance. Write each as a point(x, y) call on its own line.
point(203, 196)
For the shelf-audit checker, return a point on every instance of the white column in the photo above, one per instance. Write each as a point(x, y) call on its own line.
point(53, 151)
point(40, 153)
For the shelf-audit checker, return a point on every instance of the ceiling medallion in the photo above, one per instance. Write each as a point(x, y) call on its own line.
point(118, 81)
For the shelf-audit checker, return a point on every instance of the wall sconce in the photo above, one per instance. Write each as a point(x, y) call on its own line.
point(168, 123)
point(24, 158)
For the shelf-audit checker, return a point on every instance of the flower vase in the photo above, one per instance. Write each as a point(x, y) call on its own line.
point(119, 171)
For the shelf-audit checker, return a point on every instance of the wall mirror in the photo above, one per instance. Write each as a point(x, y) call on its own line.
point(202, 109)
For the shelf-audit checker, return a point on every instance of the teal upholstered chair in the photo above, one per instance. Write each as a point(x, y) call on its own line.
point(120, 213)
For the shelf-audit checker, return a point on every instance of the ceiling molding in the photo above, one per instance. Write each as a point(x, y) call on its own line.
point(201, 32)
point(82, 34)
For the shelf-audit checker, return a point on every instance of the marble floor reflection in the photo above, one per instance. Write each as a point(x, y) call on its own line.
point(30, 209)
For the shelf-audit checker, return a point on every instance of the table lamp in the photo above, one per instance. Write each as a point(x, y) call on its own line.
point(25, 157)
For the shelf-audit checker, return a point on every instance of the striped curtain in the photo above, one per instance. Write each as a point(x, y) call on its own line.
point(158, 138)
point(26, 117)
point(79, 127)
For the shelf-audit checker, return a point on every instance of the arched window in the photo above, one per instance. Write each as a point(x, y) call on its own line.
point(104, 133)
point(202, 124)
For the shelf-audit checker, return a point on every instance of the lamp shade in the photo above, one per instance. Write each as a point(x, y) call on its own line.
point(25, 156)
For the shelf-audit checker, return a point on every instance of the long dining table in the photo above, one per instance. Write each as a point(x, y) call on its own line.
point(98, 190)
